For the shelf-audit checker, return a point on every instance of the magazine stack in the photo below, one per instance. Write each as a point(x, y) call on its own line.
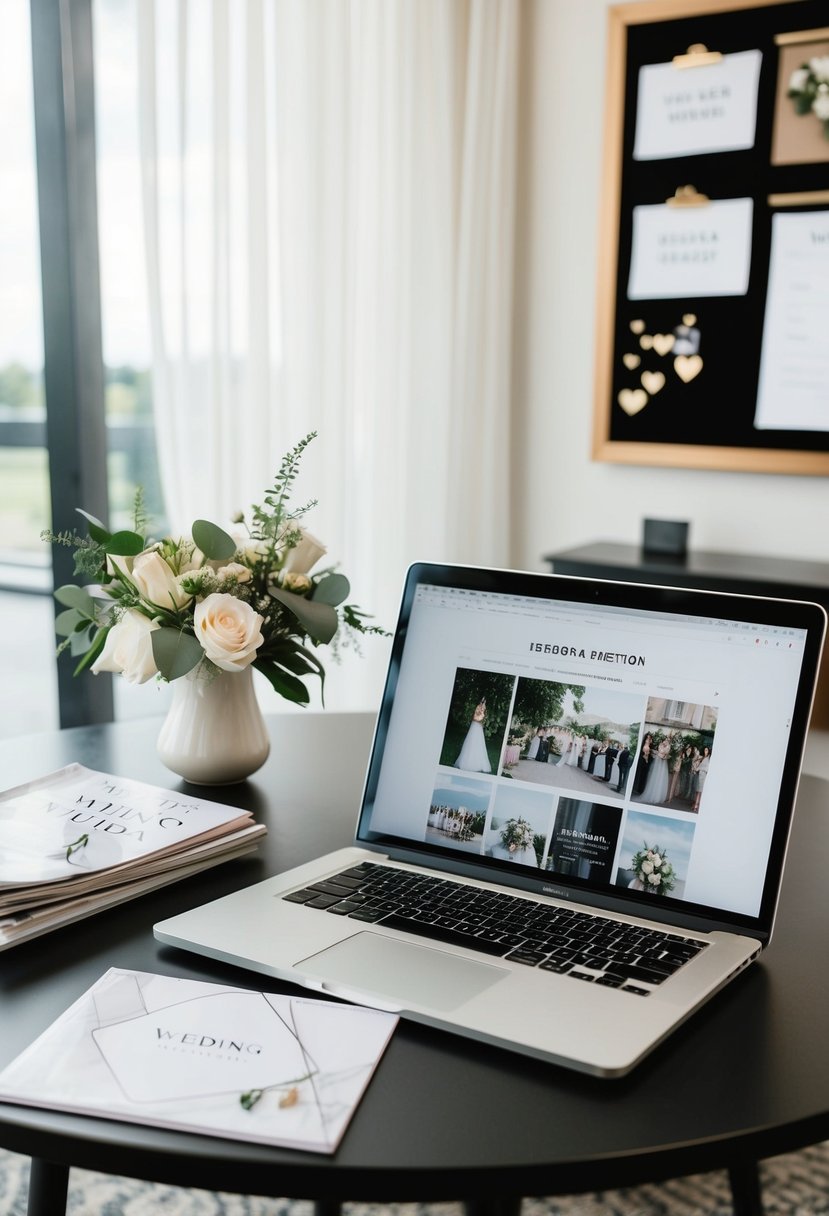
point(78, 841)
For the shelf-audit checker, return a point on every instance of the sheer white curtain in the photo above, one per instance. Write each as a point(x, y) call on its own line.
point(328, 195)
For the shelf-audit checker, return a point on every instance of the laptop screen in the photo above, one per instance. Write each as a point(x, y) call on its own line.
point(639, 746)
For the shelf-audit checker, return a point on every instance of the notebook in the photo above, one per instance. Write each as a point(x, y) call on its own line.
point(574, 821)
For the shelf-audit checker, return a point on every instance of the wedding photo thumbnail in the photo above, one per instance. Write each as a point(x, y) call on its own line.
point(654, 854)
point(457, 813)
point(675, 754)
point(583, 840)
point(519, 825)
point(477, 720)
point(572, 736)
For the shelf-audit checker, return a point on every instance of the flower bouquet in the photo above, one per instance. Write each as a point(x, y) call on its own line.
point(212, 600)
point(809, 90)
point(202, 611)
point(516, 835)
point(654, 871)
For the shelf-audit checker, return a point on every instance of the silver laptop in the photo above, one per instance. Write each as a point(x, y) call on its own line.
point(574, 821)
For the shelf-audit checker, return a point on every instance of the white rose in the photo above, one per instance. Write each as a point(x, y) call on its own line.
point(229, 631)
point(234, 570)
point(128, 648)
point(157, 583)
point(654, 879)
point(820, 107)
point(119, 565)
point(298, 583)
point(797, 80)
point(820, 67)
point(657, 861)
point(647, 867)
point(303, 556)
point(666, 869)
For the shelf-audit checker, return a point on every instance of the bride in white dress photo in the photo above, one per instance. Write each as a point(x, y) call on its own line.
point(473, 756)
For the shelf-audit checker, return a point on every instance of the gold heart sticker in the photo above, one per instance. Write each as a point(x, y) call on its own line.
point(662, 343)
point(653, 381)
point(632, 400)
point(637, 327)
point(646, 341)
point(688, 318)
point(687, 366)
point(631, 361)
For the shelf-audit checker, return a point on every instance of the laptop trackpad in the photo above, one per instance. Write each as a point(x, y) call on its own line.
point(399, 971)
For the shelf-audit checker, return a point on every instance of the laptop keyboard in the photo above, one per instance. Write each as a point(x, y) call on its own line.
point(591, 948)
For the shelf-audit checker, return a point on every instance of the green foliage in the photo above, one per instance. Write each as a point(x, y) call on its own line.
point(19, 387)
point(175, 652)
point(270, 524)
point(541, 702)
point(214, 542)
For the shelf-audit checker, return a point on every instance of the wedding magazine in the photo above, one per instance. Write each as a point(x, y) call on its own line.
point(205, 1058)
point(78, 840)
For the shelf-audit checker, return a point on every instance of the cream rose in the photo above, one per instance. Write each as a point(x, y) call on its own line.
point(303, 556)
point(234, 570)
point(647, 867)
point(229, 631)
point(156, 582)
point(298, 583)
point(128, 648)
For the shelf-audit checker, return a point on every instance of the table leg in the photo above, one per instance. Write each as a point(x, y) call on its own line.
point(48, 1187)
point(745, 1189)
point(492, 1207)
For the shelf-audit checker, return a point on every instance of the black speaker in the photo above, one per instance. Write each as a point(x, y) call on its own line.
point(669, 536)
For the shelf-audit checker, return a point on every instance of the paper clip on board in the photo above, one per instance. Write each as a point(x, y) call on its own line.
point(697, 56)
point(687, 196)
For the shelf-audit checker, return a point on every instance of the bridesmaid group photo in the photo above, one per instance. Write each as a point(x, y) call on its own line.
point(675, 754)
point(572, 736)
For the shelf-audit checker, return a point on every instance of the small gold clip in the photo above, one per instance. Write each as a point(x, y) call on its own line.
point(687, 196)
point(697, 56)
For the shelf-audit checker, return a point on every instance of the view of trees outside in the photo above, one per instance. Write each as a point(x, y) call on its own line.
point(24, 504)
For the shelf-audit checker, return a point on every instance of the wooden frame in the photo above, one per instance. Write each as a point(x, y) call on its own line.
point(696, 22)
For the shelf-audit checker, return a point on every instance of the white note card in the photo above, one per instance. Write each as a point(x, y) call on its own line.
point(688, 111)
point(684, 252)
point(205, 1058)
point(793, 393)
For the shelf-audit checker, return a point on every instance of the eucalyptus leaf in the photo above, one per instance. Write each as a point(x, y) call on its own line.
point(93, 652)
point(81, 640)
point(96, 529)
point(213, 541)
point(333, 589)
point(319, 620)
point(284, 683)
point(76, 597)
point(124, 544)
point(175, 653)
point(67, 622)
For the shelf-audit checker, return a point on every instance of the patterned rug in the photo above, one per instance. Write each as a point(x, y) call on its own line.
point(793, 1185)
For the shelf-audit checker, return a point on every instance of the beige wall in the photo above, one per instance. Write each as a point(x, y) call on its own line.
point(561, 496)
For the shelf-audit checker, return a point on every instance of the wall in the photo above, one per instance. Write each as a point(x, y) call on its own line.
point(561, 496)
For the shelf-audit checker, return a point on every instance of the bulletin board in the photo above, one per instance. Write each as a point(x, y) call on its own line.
point(713, 294)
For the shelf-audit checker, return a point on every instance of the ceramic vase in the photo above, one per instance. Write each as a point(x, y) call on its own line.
point(214, 732)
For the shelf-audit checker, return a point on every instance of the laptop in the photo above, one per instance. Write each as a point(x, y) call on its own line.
point(574, 821)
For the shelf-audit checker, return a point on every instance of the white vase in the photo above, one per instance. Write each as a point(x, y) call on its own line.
point(214, 732)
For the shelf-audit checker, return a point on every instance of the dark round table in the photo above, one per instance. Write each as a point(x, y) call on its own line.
point(444, 1118)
